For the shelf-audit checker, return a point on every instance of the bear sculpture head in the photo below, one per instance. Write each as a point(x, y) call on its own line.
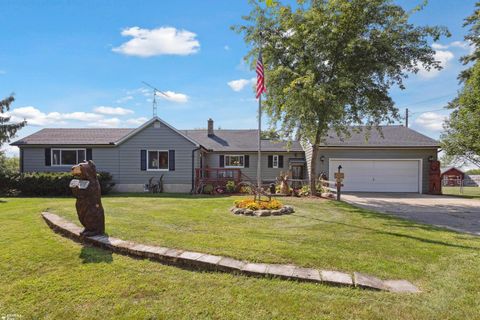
point(85, 171)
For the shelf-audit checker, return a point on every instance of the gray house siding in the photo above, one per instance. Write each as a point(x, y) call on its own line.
point(123, 161)
point(130, 175)
point(423, 154)
point(268, 174)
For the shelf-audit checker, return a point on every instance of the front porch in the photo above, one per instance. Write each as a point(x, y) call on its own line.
point(219, 177)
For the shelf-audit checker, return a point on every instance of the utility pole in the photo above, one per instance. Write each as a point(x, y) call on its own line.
point(406, 118)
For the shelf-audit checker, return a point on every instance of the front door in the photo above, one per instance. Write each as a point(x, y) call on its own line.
point(297, 172)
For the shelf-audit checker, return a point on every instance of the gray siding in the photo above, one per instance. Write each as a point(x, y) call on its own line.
point(379, 154)
point(268, 174)
point(151, 138)
point(123, 162)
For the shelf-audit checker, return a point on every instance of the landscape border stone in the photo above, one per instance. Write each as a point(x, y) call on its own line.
point(209, 262)
point(264, 212)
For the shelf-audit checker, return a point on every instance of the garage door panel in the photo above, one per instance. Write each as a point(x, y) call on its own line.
point(378, 175)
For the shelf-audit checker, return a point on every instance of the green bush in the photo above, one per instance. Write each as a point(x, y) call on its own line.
point(46, 183)
point(230, 186)
point(208, 188)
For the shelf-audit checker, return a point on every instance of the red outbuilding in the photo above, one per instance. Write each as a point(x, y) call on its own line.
point(452, 176)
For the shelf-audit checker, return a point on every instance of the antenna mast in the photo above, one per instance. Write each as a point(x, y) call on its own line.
point(154, 101)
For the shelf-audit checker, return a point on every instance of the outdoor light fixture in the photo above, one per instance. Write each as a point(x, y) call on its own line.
point(430, 158)
point(322, 158)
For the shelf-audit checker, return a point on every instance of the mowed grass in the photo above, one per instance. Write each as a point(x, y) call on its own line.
point(468, 192)
point(43, 275)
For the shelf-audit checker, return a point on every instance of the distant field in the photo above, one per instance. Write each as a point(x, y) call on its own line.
point(468, 192)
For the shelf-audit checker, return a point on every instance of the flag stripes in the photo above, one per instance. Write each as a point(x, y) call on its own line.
point(260, 77)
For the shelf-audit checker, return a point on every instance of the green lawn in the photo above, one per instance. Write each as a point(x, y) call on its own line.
point(43, 275)
point(468, 192)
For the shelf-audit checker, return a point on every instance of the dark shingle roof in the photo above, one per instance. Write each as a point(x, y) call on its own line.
point(70, 136)
point(235, 140)
point(238, 140)
point(393, 136)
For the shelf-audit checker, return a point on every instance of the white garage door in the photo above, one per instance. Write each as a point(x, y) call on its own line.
point(378, 175)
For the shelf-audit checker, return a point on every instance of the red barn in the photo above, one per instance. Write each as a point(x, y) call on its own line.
point(452, 176)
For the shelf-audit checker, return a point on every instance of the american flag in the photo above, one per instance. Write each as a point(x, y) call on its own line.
point(260, 77)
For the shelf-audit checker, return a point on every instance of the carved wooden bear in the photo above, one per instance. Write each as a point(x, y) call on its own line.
point(86, 189)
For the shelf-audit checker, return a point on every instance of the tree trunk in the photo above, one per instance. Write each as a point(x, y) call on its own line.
point(313, 165)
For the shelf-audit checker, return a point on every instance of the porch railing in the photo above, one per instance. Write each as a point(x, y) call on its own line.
point(216, 176)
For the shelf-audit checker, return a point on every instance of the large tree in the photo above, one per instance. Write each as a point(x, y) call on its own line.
point(460, 138)
point(7, 129)
point(331, 63)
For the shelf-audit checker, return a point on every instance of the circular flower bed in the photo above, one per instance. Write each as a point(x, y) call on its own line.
point(249, 207)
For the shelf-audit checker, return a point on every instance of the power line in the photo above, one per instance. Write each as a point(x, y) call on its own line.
point(427, 100)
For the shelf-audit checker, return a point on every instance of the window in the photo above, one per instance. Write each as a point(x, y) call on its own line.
point(234, 161)
point(275, 161)
point(67, 157)
point(157, 160)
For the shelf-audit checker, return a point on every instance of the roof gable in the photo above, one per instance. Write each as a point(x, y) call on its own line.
point(150, 122)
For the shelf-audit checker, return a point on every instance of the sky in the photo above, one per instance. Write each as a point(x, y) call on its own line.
point(82, 64)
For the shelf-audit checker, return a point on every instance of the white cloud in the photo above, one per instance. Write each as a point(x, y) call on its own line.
point(439, 46)
point(431, 121)
point(38, 118)
point(443, 56)
point(159, 41)
point(144, 91)
point(136, 121)
point(10, 151)
point(124, 99)
point(460, 44)
point(174, 96)
point(240, 84)
point(466, 45)
point(112, 111)
point(106, 123)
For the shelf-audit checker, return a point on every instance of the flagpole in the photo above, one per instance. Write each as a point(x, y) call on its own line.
point(259, 160)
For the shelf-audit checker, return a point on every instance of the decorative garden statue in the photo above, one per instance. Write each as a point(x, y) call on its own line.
point(283, 180)
point(86, 189)
point(435, 182)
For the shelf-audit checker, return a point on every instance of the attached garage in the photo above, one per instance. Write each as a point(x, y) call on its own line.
point(379, 175)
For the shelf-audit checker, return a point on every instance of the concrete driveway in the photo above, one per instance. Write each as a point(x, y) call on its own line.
point(454, 213)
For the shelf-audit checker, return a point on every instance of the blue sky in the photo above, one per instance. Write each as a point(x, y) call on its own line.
point(82, 63)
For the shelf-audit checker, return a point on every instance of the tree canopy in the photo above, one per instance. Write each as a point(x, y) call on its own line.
point(7, 129)
point(460, 138)
point(331, 63)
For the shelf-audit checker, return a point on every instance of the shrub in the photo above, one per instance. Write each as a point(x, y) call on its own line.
point(46, 183)
point(245, 189)
point(230, 186)
point(208, 188)
point(259, 205)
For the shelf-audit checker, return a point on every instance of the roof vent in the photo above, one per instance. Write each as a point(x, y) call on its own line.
point(210, 127)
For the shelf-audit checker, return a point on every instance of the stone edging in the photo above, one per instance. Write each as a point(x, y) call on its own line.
point(202, 261)
point(262, 213)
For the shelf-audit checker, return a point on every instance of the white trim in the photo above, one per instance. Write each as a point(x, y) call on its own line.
point(273, 161)
point(60, 160)
point(149, 122)
point(158, 151)
point(420, 166)
point(233, 155)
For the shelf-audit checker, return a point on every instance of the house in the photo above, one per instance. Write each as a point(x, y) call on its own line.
point(452, 176)
point(395, 161)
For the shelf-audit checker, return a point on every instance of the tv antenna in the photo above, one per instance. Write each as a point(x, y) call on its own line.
point(154, 101)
